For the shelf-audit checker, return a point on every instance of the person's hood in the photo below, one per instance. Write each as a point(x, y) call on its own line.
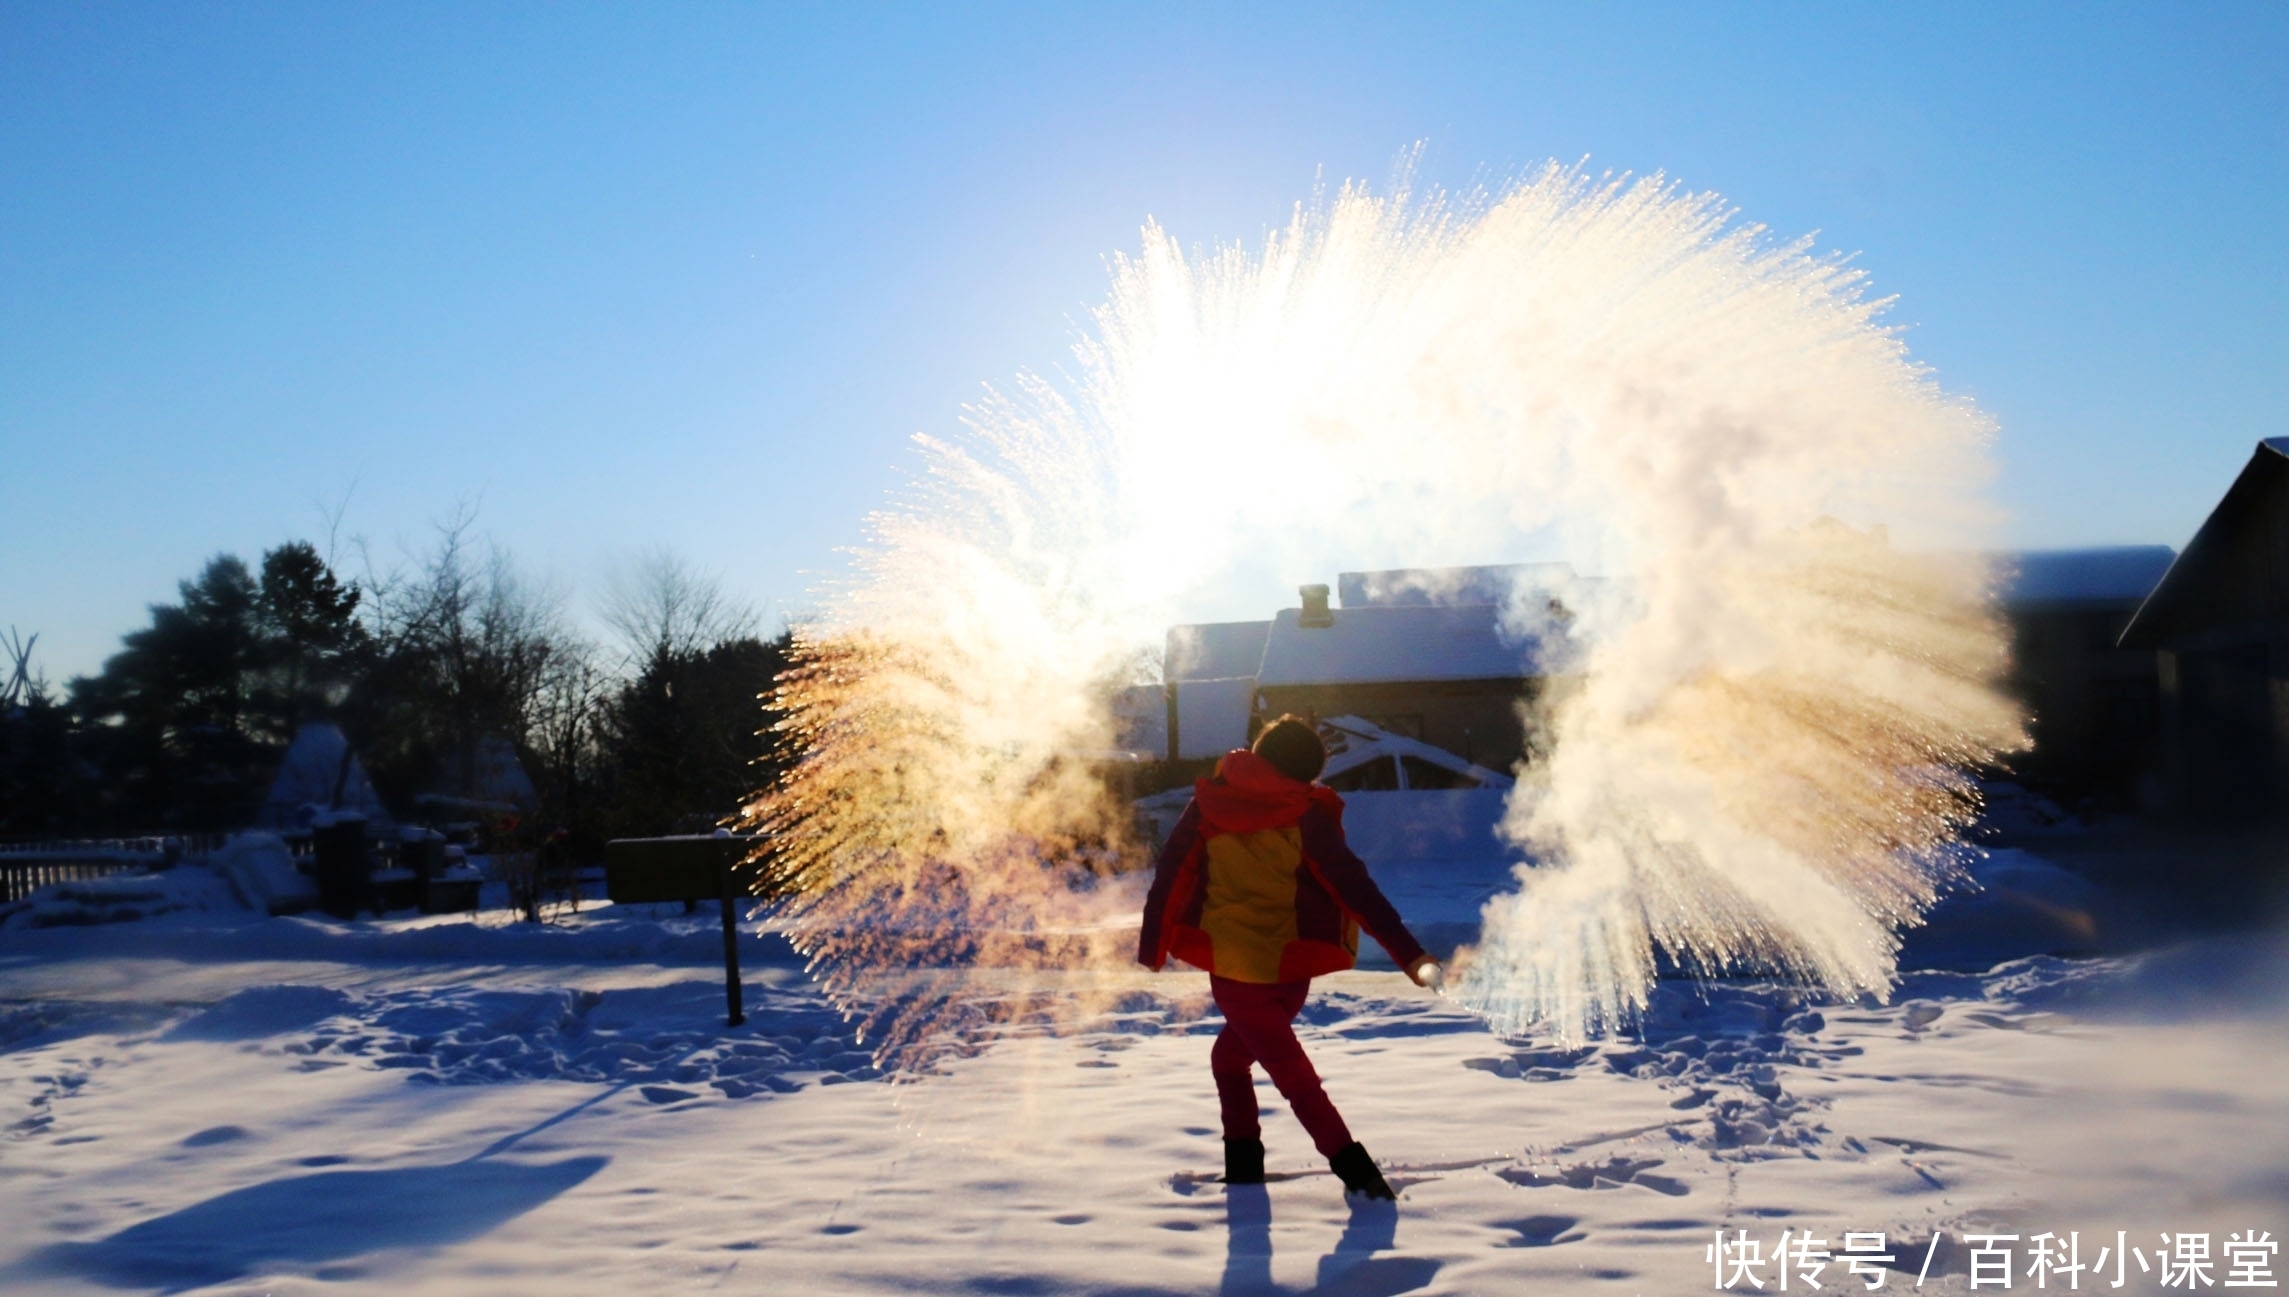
point(1248, 794)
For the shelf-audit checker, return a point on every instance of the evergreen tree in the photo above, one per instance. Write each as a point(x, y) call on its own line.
point(310, 618)
point(684, 739)
point(167, 721)
point(689, 739)
point(35, 756)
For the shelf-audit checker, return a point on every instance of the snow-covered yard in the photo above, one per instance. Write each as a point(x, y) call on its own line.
point(207, 1100)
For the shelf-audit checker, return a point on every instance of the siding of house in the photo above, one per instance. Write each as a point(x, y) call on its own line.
point(2220, 619)
point(2094, 707)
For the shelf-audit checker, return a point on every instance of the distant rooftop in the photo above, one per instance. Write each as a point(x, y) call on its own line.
point(2116, 574)
point(1379, 645)
point(1447, 586)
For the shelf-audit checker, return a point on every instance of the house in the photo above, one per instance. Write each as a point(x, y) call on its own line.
point(1443, 674)
point(2219, 625)
point(1209, 673)
point(2095, 704)
point(487, 778)
point(1419, 653)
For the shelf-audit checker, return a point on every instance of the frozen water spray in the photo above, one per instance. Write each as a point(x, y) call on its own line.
point(1759, 759)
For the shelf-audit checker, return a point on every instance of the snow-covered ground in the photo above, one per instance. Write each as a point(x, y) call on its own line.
point(203, 1099)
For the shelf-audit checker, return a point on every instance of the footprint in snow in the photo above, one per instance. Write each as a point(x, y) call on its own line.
point(214, 1135)
point(1542, 1231)
point(1610, 1174)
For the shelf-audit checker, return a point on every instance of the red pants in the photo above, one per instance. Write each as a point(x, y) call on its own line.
point(1259, 1028)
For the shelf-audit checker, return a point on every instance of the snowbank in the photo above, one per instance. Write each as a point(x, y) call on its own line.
point(261, 870)
point(118, 898)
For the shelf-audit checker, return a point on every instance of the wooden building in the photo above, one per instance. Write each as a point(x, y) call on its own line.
point(1423, 654)
point(2219, 623)
point(2095, 705)
point(1445, 676)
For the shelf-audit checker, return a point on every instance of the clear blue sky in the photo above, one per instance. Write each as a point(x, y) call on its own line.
point(691, 274)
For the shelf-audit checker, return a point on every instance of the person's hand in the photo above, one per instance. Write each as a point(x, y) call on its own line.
point(1427, 973)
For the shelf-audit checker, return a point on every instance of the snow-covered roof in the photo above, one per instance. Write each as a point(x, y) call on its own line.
point(494, 775)
point(2112, 574)
point(1382, 645)
point(304, 785)
point(1214, 650)
point(1428, 586)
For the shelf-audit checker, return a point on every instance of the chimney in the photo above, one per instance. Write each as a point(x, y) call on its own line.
point(1315, 614)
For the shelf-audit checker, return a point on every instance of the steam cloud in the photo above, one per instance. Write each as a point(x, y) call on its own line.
point(1758, 756)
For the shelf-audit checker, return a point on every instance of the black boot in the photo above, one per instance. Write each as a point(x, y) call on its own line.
point(1243, 1161)
point(1358, 1173)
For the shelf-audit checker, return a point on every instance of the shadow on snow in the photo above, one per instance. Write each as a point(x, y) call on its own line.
point(1350, 1269)
point(305, 1220)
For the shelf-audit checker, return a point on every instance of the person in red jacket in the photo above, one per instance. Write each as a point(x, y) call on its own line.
point(1258, 887)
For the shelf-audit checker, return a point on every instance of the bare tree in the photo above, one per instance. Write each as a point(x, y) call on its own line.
point(660, 606)
point(467, 647)
point(566, 734)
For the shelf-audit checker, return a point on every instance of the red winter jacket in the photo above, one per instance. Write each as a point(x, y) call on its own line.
point(1258, 885)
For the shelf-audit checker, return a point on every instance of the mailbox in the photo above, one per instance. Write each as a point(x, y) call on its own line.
point(643, 871)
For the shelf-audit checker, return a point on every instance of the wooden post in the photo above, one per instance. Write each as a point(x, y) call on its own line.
point(687, 869)
point(731, 997)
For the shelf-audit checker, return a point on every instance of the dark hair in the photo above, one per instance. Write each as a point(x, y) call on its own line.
point(1292, 745)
